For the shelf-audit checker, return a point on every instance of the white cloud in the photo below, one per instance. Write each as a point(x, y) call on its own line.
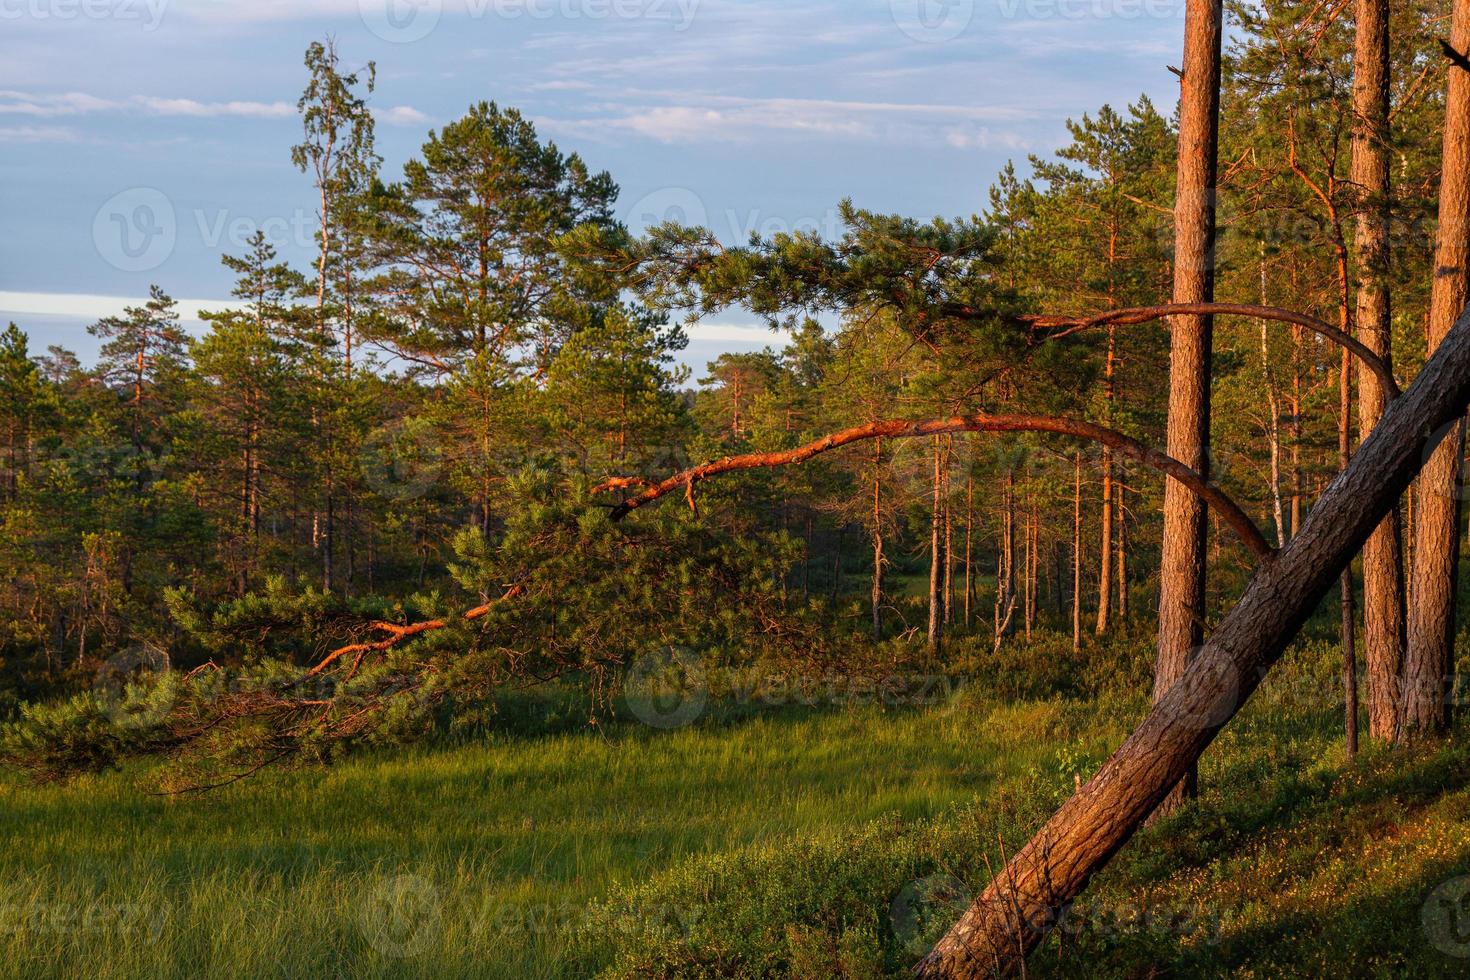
point(87, 306)
point(740, 120)
point(401, 115)
point(726, 333)
point(38, 134)
point(14, 102)
point(62, 104)
point(191, 107)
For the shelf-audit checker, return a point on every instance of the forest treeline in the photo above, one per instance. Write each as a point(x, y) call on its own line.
point(426, 435)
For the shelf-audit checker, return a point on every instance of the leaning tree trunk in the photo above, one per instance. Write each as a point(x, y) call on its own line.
point(1383, 581)
point(1182, 569)
point(1026, 899)
point(1429, 659)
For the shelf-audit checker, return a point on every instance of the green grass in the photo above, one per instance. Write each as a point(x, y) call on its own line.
point(765, 844)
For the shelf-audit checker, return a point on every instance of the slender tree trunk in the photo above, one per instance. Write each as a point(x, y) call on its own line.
point(1273, 417)
point(1027, 898)
point(1296, 429)
point(948, 536)
point(1028, 610)
point(936, 517)
point(1383, 581)
point(877, 594)
point(1077, 557)
point(1122, 514)
point(1182, 571)
point(1429, 659)
point(969, 547)
point(1105, 555)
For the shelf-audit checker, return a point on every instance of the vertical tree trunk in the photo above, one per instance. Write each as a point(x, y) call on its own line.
point(969, 547)
point(1296, 430)
point(1182, 571)
point(1028, 608)
point(1383, 582)
point(877, 592)
point(1122, 513)
point(1077, 558)
point(935, 518)
point(1429, 659)
point(948, 535)
point(1105, 556)
point(1026, 899)
point(1273, 415)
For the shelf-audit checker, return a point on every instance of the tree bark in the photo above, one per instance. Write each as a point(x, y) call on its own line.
point(1429, 658)
point(934, 578)
point(877, 592)
point(1105, 556)
point(1182, 570)
point(1383, 582)
point(1077, 558)
point(1025, 900)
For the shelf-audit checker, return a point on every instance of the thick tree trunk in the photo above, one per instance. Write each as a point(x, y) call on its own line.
point(1383, 581)
point(1025, 900)
point(1429, 659)
point(1182, 570)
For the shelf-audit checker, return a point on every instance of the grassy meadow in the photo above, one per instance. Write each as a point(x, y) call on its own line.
point(796, 841)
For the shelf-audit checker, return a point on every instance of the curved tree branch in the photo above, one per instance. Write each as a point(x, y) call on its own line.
point(1065, 326)
point(397, 634)
point(1227, 508)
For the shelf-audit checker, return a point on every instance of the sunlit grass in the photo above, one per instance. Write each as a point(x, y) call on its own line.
point(487, 859)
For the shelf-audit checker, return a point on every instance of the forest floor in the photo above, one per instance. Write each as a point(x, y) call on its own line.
point(805, 842)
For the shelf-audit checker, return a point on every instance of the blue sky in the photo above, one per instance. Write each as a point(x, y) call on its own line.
point(143, 139)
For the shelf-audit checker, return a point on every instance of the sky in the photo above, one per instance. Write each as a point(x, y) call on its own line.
point(144, 139)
